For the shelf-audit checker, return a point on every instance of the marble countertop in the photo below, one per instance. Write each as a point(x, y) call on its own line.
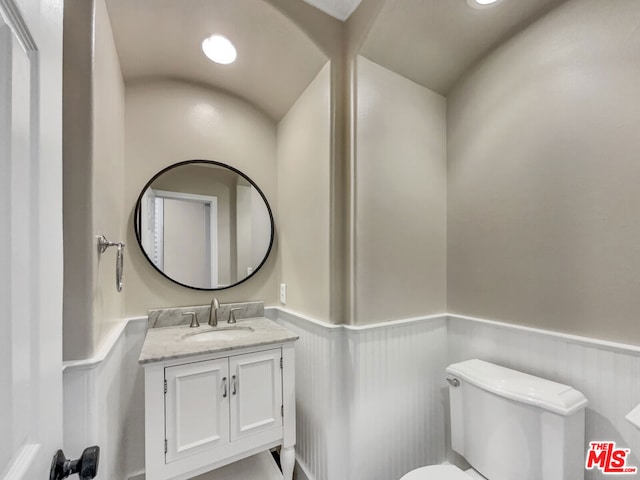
point(168, 343)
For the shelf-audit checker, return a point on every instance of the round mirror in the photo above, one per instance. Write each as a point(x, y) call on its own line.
point(204, 225)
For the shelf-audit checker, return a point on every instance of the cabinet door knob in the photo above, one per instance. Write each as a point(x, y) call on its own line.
point(234, 386)
point(224, 386)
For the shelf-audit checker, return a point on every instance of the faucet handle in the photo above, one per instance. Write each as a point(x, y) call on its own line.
point(194, 319)
point(232, 315)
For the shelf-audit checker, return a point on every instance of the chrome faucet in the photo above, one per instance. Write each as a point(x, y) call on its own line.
point(232, 315)
point(213, 313)
point(194, 319)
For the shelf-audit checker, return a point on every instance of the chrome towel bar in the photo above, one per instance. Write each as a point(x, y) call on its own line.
point(103, 244)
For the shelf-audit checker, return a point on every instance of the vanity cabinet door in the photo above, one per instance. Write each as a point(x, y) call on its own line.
point(256, 393)
point(197, 408)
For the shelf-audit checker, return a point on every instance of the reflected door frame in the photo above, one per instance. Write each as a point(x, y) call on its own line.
point(212, 203)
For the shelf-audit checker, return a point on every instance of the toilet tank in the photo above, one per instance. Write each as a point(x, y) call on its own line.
point(510, 425)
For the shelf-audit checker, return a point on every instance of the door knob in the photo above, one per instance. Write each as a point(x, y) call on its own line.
point(86, 466)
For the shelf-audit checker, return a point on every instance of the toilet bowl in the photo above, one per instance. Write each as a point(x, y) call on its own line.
point(511, 425)
point(442, 472)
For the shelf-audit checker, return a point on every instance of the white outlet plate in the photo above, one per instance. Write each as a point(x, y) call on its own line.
point(283, 293)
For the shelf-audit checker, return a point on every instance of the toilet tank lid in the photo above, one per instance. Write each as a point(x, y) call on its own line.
point(520, 387)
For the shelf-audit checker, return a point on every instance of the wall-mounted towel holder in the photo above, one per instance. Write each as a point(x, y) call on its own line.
point(103, 244)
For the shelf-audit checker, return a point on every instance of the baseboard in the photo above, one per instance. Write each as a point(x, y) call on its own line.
point(137, 476)
point(300, 471)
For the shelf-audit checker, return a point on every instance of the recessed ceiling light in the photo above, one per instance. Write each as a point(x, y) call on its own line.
point(481, 3)
point(219, 49)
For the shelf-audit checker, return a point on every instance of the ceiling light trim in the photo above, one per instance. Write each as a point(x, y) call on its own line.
point(479, 6)
point(219, 49)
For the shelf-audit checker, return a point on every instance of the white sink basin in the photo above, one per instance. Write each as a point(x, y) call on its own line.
point(222, 333)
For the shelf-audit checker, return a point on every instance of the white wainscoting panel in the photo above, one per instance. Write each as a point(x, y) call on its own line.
point(103, 403)
point(369, 400)
point(372, 401)
point(607, 374)
point(321, 446)
point(395, 396)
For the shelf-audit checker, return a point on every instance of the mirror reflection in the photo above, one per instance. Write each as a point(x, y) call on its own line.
point(204, 225)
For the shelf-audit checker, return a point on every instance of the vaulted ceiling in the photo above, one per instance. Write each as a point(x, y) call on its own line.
point(432, 42)
point(162, 38)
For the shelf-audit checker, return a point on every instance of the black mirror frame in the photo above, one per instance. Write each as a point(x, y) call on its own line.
point(137, 220)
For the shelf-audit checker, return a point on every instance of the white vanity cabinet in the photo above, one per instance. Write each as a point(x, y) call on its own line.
point(256, 393)
point(206, 411)
point(196, 415)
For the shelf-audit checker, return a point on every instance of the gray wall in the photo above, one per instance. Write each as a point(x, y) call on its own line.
point(400, 198)
point(543, 175)
point(260, 229)
point(303, 220)
point(96, 199)
point(171, 121)
point(93, 152)
point(108, 173)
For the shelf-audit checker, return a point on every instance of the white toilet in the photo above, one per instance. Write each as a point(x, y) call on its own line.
point(511, 426)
